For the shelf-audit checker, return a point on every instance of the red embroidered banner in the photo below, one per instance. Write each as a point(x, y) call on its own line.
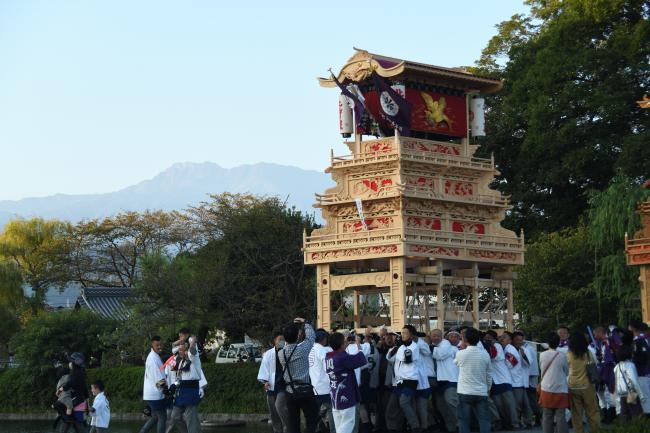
point(431, 112)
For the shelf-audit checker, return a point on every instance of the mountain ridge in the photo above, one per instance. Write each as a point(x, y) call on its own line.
point(181, 185)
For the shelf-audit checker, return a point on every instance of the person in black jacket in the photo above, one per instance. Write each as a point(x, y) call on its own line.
point(76, 383)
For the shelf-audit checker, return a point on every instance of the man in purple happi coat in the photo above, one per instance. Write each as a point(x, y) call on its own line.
point(603, 348)
point(344, 389)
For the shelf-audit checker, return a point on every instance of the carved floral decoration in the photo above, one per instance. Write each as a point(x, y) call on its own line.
point(441, 251)
point(373, 184)
point(354, 252)
point(454, 187)
point(467, 227)
point(372, 223)
point(421, 146)
point(423, 223)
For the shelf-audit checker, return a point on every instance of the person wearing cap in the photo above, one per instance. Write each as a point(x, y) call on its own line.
point(447, 378)
point(152, 390)
point(319, 378)
point(76, 385)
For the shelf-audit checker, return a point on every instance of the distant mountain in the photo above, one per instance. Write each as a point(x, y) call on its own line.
point(180, 186)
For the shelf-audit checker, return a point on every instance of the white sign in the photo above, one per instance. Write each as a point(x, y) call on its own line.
point(360, 212)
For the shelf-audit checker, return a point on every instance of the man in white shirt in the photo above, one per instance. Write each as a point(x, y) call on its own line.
point(188, 376)
point(533, 376)
point(425, 370)
point(100, 412)
point(519, 374)
point(320, 380)
point(474, 382)
point(271, 377)
point(501, 391)
point(444, 354)
point(407, 374)
point(563, 332)
point(152, 390)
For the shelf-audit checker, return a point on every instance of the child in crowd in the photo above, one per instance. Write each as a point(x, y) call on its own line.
point(100, 411)
point(64, 398)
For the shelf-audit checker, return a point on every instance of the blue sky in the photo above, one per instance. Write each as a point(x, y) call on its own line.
point(98, 95)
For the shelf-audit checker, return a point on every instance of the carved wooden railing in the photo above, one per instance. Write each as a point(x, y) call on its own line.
point(439, 238)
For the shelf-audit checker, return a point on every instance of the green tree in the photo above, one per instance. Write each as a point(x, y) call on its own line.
point(11, 286)
point(37, 248)
point(10, 326)
point(553, 287)
point(252, 263)
point(611, 215)
point(566, 119)
point(48, 339)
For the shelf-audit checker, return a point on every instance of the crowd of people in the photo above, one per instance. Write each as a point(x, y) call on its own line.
point(460, 381)
point(172, 391)
point(72, 402)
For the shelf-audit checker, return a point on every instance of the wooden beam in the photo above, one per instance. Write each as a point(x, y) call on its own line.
point(475, 306)
point(323, 302)
point(440, 305)
point(397, 293)
point(511, 308)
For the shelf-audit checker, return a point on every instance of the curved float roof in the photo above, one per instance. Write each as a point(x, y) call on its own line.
point(362, 63)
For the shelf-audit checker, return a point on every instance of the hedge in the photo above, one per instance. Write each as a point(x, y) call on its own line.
point(232, 388)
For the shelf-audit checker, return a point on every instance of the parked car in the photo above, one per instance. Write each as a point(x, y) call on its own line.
point(239, 352)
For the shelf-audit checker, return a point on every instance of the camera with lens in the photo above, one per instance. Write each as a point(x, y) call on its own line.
point(408, 356)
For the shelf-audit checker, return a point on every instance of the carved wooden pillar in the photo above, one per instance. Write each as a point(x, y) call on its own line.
point(323, 302)
point(397, 293)
point(475, 306)
point(511, 308)
point(355, 309)
point(644, 279)
point(440, 304)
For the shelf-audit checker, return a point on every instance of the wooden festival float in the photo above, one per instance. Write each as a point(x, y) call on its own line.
point(412, 231)
point(637, 250)
point(637, 253)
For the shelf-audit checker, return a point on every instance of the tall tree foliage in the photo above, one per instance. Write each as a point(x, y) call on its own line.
point(107, 252)
point(37, 249)
point(566, 118)
point(578, 276)
point(611, 215)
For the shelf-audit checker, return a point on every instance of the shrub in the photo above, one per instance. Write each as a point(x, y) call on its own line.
point(638, 425)
point(232, 388)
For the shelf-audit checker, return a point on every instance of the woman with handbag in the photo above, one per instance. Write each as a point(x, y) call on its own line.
point(553, 390)
point(581, 389)
point(627, 385)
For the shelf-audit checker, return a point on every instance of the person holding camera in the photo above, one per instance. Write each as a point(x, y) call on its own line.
point(407, 373)
point(294, 359)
